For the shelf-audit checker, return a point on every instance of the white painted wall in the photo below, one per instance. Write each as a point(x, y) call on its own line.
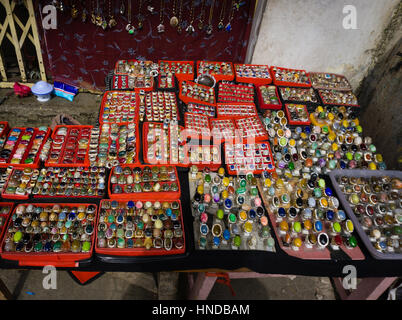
point(309, 34)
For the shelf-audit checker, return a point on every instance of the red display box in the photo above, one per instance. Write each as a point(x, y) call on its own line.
point(84, 132)
point(33, 165)
point(187, 99)
point(123, 114)
point(151, 195)
point(59, 259)
point(289, 83)
point(5, 216)
point(255, 80)
point(297, 123)
point(218, 76)
point(140, 251)
point(264, 105)
point(180, 76)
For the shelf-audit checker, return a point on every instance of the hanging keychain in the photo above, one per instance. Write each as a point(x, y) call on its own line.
point(112, 21)
point(228, 27)
point(161, 27)
point(130, 28)
point(190, 29)
point(201, 19)
point(211, 12)
point(222, 16)
point(179, 28)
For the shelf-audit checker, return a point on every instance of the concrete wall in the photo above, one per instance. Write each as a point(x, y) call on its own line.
point(309, 34)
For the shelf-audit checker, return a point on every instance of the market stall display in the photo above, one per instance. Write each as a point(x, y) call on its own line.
point(290, 77)
point(268, 97)
point(321, 80)
point(338, 97)
point(70, 146)
point(140, 228)
point(198, 93)
point(219, 70)
point(297, 114)
point(306, 217)
point(230, 92)
point(134, 75)
point(168, 70)
point(301, 95)
point(119, 106)
point(253, 73)
point(23, 146)
point(50, 234)
point(146, 182)
point(158, 106)
point(228, 212)
point(372, 199)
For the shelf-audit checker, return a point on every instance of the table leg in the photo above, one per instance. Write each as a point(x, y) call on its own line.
point(5, 294)
point(367, 289)
point(201, 287)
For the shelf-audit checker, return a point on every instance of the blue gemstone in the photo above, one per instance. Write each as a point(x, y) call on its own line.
point(383, 245)
point(228, 203)
point(130, 243)
point(318, 226)
point(130, 204)
point(266, 174)
point(71, 216)
point(342, 164)
point(168, 212)
point(113, 226)
point(120, 219)
point(330, 215)
point(328, 192)
point(48, 247)
point(341, 215)
point(217, 241)
point(204, 229)
point(226, 234)
point(307, 130)
point(252, 214)
point(282, 212)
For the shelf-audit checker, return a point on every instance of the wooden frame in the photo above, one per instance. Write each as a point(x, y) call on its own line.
point(29, 30)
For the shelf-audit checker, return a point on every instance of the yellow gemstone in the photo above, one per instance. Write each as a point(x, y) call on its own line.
point(248, 227)
point(283, 226)
point(221, 171)
point(292, 142)
point(334, 146)
point(330, 116)
point(225, 181)
point(332, 136)
point(267, 182)
point(297, 242)
point(303, 135)
point(378, 157)
point(200, 189)
point(243, 215)
point(279, 183)
point(349, 225)
point(324, 202)
point(225, 194)
point(345, 123)
point(372, 166)
point(319, 109)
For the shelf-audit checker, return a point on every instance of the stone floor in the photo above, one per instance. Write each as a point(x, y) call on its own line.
point(137, 286)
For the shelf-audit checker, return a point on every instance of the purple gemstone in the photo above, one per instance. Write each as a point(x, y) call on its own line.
point(216, 197)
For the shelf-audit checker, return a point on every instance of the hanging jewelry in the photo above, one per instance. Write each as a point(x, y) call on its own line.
point(130, 29)
point(93, 17)
point(161, 27)
point(190, 29)
point(112, 21)
point(104, 22)
point(173, 20)
point(179, 29)
point(140, 17)
point(122, 7)
point(211, 12)
point(201, 19)
point(74, 11)
point(228, 27)
point(84, 13)
point(150, 8)
point(222, 16)
point(98, 18)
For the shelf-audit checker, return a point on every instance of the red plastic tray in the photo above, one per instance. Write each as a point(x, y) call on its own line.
point(186, 99)
point(103, 102)
point(253, 80)
point(5, 129)
point(317, 86)
point(170, 195)
point(181, 76)
point(6, 216)
point(214, 165)
point(336, 104)
point(249, 109)
point(197, 132)
point(157, 104)
point(268, 105)
point(35, 164)
point(199, 108)
point(145, 129)
point(297, 123)
point(140, 251)
point(304, 253)
point(5, 195)
point(270, 165)
point(120, 82)
point(63, 259)
point(218, 77)
point(69, 128)
point(289, 83)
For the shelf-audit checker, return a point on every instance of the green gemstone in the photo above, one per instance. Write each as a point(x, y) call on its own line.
point(358, 156)
point(271, 242)
point(110, 218)
point(325, 129)
point(314, 145)
point(372, 148)
point(203, 242)
point(359, 129)
point(232, 217)
point(297, 227)
point(397, 230)
point(322, 115)
point(86, 246)
point(237, 241)
point(321, 183)
point(317, 192)
point(337, 227)
point(140, 225)
point(318, 153)
point(38, 246)
point(207, 178)
point(349, 156)
point(243, 183)
point(17, 236)
point(220, 214)
point(291, 166)
point(332, 164)
point(68, 224)
point(120, 233)
point(215, 189)
point(352, 242)
point(241, 190)
point(57, 246)
point(254, 191)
